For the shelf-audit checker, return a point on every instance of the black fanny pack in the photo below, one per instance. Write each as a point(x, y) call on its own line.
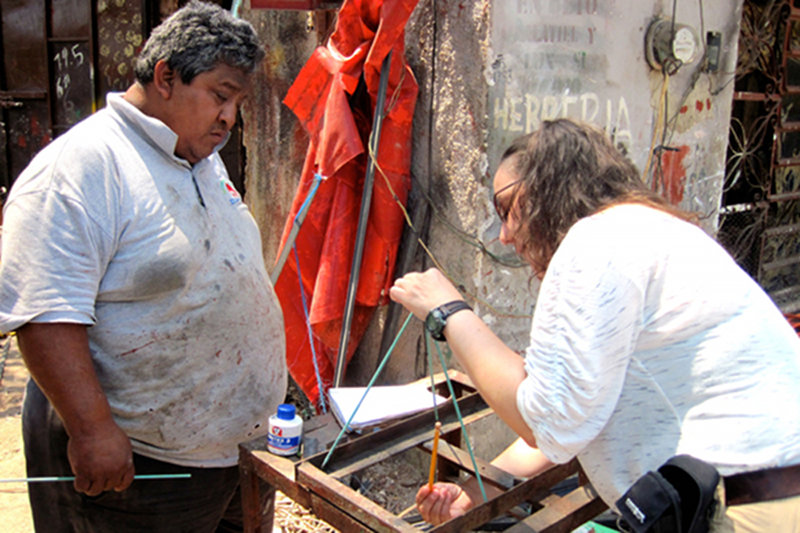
point(678, 498)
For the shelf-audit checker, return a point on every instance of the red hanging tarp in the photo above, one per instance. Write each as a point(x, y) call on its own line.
point(337, 111)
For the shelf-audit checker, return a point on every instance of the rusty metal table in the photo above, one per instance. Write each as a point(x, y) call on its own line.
point(329, 498)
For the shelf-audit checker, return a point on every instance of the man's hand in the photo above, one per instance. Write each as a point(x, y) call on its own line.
point(443, 502)
point(58, 358)
point(101, 460)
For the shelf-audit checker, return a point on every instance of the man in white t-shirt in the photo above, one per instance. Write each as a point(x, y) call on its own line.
point(133, 274)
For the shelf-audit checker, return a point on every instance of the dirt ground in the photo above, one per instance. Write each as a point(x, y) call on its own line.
point(392, 484)
point(13, 496)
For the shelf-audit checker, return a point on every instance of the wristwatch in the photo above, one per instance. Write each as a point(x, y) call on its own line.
point(437, 318)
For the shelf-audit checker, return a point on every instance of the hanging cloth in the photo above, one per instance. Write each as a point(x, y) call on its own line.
point(334, 97)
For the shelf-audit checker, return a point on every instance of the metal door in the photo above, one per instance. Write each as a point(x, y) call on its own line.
point(60, 58)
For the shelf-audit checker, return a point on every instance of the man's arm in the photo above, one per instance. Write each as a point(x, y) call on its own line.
point(57, 356)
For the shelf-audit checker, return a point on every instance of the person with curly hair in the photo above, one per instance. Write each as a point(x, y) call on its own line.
point(647, 341)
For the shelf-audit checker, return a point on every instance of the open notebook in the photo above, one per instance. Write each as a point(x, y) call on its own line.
point(381, 403)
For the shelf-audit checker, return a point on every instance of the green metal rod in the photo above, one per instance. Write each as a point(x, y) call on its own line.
point(50, 479)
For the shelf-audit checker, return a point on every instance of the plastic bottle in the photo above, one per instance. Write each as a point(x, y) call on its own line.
point(285, 431)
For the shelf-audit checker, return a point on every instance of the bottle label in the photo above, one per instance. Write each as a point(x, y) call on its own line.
point(282, 442)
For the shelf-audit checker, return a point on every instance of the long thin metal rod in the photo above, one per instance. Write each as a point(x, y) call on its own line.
point(51, 479)
point(296, 223)
point(366, 201)
point(366, 391)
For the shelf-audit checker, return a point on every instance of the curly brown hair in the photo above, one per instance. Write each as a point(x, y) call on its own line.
point(568, 171)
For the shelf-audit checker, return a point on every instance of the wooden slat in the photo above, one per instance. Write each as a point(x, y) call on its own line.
point(279, 472)
point(249, 486)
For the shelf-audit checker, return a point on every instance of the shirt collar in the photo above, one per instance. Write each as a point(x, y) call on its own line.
point(153, 129)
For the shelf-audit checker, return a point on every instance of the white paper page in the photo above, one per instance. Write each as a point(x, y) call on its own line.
point(381, 403)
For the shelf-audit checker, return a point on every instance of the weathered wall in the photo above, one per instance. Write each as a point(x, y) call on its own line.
point(275, 143)
point(489, 71)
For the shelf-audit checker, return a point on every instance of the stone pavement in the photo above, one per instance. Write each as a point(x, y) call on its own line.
point(14, 508)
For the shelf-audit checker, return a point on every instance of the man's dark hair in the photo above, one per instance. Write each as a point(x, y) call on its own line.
point(569, 171)
point(197, 38)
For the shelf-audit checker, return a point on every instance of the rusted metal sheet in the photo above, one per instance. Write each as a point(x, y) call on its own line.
point(24, 110)
point(28, 131)
point(70, 54)
point(24, 57)
point(70, 18)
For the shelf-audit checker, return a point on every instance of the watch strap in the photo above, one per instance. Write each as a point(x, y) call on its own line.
point(444, 312)
point(452, 307)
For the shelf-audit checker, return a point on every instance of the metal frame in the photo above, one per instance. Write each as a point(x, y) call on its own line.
point(334, 501)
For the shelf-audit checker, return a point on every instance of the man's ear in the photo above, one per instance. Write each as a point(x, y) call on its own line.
point(164, 78)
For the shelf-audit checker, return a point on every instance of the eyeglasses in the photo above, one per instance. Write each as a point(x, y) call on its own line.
point(503, 210)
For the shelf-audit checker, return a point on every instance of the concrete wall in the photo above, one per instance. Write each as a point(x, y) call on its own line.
point(489, 71)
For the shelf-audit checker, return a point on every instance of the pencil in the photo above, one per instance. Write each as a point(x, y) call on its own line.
point(434, 453)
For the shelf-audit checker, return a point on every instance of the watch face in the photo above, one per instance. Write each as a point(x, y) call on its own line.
point(435, 324)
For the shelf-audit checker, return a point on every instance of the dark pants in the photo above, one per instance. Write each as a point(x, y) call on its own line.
point(209, 501)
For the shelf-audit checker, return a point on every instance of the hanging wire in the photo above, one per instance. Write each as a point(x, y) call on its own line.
point(657, 127)
point(369, 386)
point(436, 412)
point(460, 419)
point(430, 254)
point(429, 354)
point(320, 385)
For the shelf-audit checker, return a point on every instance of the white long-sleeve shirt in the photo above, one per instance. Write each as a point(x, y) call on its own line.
point(649, 341)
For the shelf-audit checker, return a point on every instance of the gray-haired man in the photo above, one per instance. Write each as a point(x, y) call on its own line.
point(134, 276)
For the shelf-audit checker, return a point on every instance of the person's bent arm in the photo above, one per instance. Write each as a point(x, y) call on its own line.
point(494, 368)
point(58, 358)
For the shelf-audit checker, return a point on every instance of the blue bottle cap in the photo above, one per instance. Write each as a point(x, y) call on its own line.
point(286, 411)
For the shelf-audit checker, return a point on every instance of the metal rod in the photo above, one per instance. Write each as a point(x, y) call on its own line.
point(296, 223)
point(50, 479)
point(366, 200)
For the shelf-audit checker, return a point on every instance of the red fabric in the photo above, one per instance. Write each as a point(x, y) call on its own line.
point(794, 321)
point(339, 124)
